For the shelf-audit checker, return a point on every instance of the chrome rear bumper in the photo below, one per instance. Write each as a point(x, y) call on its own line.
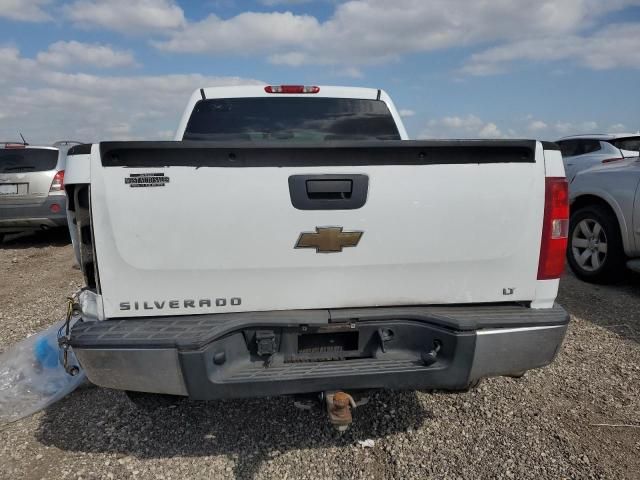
point(217, 356)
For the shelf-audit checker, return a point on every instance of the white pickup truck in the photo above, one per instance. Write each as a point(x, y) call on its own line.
point(293, 240)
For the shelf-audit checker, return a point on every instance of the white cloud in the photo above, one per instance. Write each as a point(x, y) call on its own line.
point(132, 17)
point(563, 128)
point(405, 112)
point(362, 32)
point(468, 126)
point(552, 129)
point(490, 130)
point(47, 104)
point(14, 67)
point(617, 128)
point(290, 59)
point(275, 3)
point(575, 128)
point(62, 54)
point(247, 32)
point(615, 46)
point(351, 72)
point(25, 10)
point(472, 126)
point(537, 125)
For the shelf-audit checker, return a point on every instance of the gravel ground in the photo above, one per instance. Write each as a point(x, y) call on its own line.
point(544, 425)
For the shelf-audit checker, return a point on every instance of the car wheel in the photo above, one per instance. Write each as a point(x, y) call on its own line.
point(1, 237)
point(595, 251)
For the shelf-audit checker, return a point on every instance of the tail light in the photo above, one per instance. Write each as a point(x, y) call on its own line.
point(555, 228)
point(58, 182)
point(609, 160)
point(291, 89)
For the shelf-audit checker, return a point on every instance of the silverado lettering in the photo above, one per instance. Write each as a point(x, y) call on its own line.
point(187, 303)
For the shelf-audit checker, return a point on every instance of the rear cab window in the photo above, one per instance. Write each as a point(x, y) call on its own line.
point(295, 119)
point(25, 160)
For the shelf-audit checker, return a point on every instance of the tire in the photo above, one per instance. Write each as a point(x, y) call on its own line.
point(595, 252)
point(1, 237)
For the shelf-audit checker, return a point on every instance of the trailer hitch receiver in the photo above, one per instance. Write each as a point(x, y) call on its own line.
point(339, 405)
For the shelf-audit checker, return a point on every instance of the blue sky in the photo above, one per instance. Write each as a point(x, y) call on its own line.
point(123, 69)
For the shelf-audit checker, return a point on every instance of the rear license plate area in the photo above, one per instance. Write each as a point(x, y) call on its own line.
point(326, 346)
point(328, 342)
point(9, 189)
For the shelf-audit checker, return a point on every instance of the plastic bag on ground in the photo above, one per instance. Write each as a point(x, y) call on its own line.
point(32, 375)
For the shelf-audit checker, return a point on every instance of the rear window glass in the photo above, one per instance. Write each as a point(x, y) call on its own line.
point(291, 119)
point(627, 143)
point(588, 146)
point(568, 148)
point(27, 160)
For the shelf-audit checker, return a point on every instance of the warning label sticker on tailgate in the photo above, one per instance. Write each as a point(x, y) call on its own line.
point(146, 180)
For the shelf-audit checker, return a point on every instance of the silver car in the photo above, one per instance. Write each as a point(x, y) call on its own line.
point(604, 228)
point(581, 152)
point(32, 187)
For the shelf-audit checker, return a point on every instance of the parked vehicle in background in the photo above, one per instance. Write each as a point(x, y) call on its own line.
point(32, 187)
point(604, 231)
point(581, 152)
point(629, 142)
point(295, 241)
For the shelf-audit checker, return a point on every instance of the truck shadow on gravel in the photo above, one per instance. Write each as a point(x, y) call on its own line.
point(614, 307)
point(250, 432)
point(41, 239)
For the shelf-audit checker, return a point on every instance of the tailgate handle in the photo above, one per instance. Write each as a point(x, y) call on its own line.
point(328, 192)
point(329, 189)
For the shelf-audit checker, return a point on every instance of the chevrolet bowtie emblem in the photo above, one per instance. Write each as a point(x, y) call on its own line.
point(328, 239)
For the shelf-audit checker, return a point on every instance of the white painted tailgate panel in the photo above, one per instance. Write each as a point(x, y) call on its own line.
point(432, 234)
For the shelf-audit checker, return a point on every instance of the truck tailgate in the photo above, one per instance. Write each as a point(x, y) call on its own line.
point(195, 227)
